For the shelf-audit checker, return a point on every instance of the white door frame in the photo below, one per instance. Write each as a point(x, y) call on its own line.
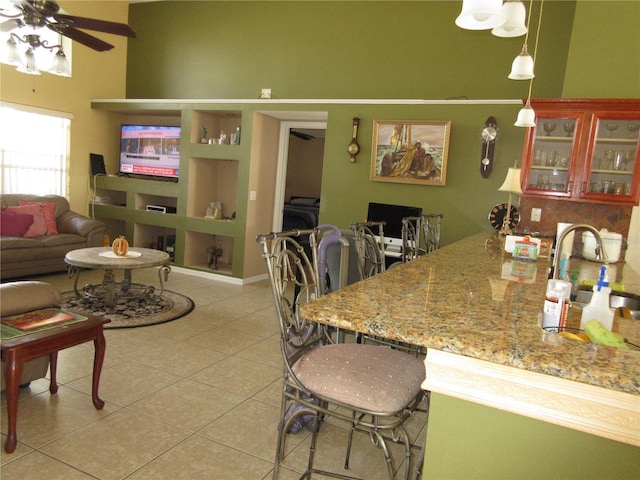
point(283, 154)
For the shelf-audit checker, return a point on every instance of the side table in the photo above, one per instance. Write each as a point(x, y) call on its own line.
point(16, 351)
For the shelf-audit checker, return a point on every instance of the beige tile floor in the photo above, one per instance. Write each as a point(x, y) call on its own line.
point(196, 398)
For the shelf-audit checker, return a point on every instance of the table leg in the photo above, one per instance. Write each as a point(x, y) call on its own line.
point(100, 345)
point(53, 371)
point(163, 276)
point(109, 284)
point(12, 375)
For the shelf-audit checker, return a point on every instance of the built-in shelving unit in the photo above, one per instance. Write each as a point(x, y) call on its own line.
point(214, 162)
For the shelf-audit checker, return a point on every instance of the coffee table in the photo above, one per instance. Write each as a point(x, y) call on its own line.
point(103, 258)
point(16, 351)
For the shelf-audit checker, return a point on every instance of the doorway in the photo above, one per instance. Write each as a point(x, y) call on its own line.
point(300, 158)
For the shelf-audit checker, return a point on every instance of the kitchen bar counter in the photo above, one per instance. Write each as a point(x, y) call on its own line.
point(477, 312)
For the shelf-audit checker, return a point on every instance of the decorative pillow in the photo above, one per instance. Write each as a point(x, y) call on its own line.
point(49, 209)
point(38, 227)
point(14, 224)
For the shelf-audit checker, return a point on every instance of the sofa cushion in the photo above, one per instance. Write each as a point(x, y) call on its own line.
point(8, 243)
point(38, 227)
point(14, 224)
point(49, 210)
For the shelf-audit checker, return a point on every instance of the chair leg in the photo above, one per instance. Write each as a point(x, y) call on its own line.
point(350, 441)
point(312, 447)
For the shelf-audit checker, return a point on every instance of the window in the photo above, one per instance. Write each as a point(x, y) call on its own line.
point(33, 150)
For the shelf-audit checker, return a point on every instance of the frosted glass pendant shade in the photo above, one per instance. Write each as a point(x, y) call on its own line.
point(526, 117)
point(10, 54)
point(480, 14)
point(29, 66)
point(514, 25)
point(60, 65)
point(522, 66)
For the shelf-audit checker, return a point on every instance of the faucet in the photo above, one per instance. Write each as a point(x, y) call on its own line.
point(600, 253)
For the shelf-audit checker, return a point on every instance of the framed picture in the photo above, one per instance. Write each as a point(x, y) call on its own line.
point(410, 152)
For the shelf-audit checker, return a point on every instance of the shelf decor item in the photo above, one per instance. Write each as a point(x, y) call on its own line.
point(410, 152)
point(120, 246)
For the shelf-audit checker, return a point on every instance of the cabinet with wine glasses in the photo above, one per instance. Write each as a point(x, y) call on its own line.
point(584, 150)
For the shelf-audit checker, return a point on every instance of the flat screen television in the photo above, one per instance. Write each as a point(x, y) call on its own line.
point(392, 215)
point(150, 150)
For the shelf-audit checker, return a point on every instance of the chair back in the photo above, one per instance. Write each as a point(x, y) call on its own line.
point(293, 273)
point(369, 240)
point(431, 226)
point(411, 238)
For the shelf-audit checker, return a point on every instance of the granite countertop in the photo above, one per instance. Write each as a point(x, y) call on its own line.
point(470, 298)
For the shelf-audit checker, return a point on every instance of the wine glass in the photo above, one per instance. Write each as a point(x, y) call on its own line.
point(568, 127)
point(612, 127)
point(633, 128)
point(549, 127)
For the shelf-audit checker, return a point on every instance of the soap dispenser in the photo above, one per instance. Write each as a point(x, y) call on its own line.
point(598, 308)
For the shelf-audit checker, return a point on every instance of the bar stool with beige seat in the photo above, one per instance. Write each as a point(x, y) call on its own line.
point(372, 388)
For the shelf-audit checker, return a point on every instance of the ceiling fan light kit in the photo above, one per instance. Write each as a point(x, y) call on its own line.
point(26, 21)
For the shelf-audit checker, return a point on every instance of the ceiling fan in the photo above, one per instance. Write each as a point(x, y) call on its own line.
point(46, 13)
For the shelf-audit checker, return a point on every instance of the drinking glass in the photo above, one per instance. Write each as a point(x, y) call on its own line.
point(549, 127)
point(568, 127)
point(633, 128)
point(612, 127)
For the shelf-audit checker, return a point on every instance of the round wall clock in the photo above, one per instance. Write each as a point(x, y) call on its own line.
point(498, 213)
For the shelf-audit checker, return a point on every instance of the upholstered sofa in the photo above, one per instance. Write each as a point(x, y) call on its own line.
point(52, 230)
point(20, 297)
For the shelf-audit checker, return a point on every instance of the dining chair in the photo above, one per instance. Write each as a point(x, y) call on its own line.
point(411, 238)
point(374, 389)
point(369, 241)
point(432, 227)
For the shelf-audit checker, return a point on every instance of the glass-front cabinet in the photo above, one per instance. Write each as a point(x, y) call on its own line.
point(613, 156)
point(584, 150)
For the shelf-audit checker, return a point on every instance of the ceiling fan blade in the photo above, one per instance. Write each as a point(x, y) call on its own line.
point(81, 37)
point(94, 24)
point(10, 25)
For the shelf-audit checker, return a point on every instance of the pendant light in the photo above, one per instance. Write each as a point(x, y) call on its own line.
point(480, 14)
point(514, 24)
point(526, 115)
point(522, 66)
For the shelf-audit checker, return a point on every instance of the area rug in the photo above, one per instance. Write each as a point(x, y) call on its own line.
point(136, 312)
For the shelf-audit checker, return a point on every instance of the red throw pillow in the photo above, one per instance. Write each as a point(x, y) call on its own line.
point(14, 224)
point(38, 227)
point(49, 209)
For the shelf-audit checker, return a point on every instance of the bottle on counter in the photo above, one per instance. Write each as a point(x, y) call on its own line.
point(574, 284)
point(556, 305)
point(598, 308)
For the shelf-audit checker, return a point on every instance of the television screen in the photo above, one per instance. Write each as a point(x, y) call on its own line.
point(150, 150)
point(392, 215)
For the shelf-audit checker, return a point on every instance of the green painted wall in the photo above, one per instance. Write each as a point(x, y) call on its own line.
point(382, 49)
point(603, 57)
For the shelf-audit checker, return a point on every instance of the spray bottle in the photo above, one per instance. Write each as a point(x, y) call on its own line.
point(598, 308)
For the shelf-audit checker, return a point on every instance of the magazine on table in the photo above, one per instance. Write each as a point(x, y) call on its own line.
point(41, 318)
